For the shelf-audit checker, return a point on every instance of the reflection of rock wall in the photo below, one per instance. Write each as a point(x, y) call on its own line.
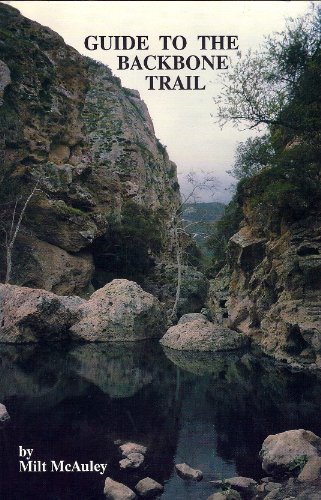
point(67, 121)
point(40, 378)
point(251, 397)
point(71, 403)
point(119, 371)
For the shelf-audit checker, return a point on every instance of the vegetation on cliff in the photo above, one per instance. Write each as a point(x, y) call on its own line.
point(69, 127)
point(270, 287)
point(277, 88)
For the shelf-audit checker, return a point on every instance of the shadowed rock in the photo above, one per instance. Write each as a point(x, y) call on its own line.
point(4, 415)
point(148, 487)
point(33, 315)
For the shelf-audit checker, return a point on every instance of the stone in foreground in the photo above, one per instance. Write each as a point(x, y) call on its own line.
point(4, 415)
point(148, 487)
point(280, 451)
point(227, 495)
point(117, 491)
point(202, 335)
point(132, 461)
point(186, 472)
point(120, 311)
point(128, 448)
point(242, 484)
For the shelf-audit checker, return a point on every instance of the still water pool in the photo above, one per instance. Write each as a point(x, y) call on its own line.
point(74, 402)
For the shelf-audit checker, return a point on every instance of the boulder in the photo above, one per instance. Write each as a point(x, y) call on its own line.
point(4, 415)
point(272, 486)
point(132, 461)
point(226, 495)
point(70, 273)
point(34, 315)
point(186, 472)
point(274, 495)
point(128, 448)
point(117, 491)
point(244, 485)
point(202, 335)
point(282, 452)
point(189, 317)
point(120, 311)
point(148, 487)
point(311, 471)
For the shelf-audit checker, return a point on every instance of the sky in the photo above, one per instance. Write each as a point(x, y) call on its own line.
point(184, 120)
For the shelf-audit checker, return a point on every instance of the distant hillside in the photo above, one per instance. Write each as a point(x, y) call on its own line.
point(207, 212)
point(200, 216)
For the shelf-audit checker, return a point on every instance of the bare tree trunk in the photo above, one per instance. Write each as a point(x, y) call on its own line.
point(14, 230)
point(9, 264)
point(179, 272)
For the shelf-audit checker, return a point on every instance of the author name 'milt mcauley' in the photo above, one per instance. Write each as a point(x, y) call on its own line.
point(28, 465)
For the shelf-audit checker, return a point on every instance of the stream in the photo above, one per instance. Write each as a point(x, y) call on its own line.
point(74, 402)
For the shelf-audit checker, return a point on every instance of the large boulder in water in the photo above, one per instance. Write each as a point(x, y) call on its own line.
point(120, 311)
point(282, 452)
point(34, 315)
point(199, 334)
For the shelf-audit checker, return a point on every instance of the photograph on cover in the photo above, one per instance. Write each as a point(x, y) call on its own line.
point(160, 250)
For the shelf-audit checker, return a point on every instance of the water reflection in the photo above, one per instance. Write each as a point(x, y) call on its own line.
point(251, 397)
point(72, 403)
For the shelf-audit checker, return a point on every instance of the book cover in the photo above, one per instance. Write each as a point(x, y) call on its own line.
point(160, 242)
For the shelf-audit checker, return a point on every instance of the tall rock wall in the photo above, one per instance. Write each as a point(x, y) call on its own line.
point(275, 281)
point(88, 144)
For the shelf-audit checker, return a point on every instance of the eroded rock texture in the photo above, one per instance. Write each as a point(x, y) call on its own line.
point(67, 123)
point(273, 288)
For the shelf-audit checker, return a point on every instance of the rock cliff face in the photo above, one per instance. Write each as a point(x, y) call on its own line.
point(67, 123)
point(275, 280)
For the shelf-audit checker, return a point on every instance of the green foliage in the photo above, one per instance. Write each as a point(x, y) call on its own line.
point(222, 232)
point(263, 83)
point(162, 149)
point(279, 87)
point(198, 218)
point(288, 190)
point(202, 213)
point(251, 156)
point(297, 464)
